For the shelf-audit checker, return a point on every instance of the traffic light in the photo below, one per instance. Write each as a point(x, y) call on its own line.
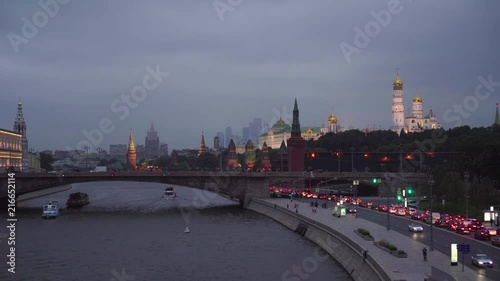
point(399, 197)
point(376, 181)
point(410, 191)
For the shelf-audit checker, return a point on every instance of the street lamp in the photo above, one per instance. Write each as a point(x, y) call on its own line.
point(355, 183)
point(339, 153)
point(431, 183)
point(352, 149)
point(466, 176)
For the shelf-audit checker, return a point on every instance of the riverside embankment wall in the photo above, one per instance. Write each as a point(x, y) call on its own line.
point(352, 257)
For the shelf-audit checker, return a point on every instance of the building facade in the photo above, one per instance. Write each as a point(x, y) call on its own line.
point(118, 149)
point(20, 128)
point(11, 151)
point(152, 144)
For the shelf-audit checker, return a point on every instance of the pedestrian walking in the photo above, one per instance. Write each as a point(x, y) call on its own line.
point(424, 252)
point(287, 206)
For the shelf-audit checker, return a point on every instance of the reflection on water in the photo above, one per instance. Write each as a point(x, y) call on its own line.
point(129, 230)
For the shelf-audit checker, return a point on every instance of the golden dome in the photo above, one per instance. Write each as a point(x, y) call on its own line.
point(281, 122)
point(332, 119)
point(417, 98)
point(397, 82)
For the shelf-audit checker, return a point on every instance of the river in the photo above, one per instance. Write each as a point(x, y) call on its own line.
point(129, 233)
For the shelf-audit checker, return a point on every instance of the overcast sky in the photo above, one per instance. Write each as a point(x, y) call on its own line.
point(227, 66)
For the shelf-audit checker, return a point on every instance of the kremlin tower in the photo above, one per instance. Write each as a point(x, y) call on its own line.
point(265, 160)
point(250, 155)
point(296, 144)
point(131, 155)
point(203, 148)
point(20, 128)
point(232, 158)
point(398, 108)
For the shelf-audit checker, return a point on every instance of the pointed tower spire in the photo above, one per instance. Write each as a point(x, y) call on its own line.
point(203, 148)
point(20, 128)
point(131, 155)
point(497, 117)
point(296, 124)
point(152, 127)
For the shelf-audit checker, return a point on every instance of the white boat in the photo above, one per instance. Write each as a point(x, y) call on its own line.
point(50, 210)
point(186, 230)
point(169, 193)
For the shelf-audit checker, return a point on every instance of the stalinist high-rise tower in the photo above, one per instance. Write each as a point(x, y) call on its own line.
point(398, 108)
point(20, 128)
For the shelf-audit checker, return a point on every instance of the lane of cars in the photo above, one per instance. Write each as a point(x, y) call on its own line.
point(456, 223)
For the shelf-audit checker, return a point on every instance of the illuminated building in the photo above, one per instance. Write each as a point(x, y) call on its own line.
point(131, 155)
point(11, 151)
point(415, 121)
point(203, 148)
point(250, 156)
point(265, 161)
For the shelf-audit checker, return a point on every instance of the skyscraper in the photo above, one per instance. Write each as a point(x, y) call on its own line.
point(152, 143)
point(20, 128)
point(229, 134)
point(255, 129)
point(216, 143)
point(222, 142)
point(246, 134)
point(296, 144)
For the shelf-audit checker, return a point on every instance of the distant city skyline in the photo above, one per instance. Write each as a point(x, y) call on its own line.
point(80, 71)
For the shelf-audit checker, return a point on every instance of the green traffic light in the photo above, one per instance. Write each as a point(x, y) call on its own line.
point(409, 191)
point(374, 180)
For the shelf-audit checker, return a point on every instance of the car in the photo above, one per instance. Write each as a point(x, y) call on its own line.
point(491, 230)
point(351, 210)
point(482, 234)
point(413, 227)
point(415, 217)
point(481, 260)
point(401, 212)
point(463, 229)
point(495, 240)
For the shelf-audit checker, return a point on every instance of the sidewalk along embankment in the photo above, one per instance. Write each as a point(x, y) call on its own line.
point(43, 192)
point(352, 257)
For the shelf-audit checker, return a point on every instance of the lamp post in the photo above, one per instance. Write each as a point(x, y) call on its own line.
point(339, 153)
point(431, 183)
point(352, 149)
point(355, 183)
point(388, 212)
point(466, 176)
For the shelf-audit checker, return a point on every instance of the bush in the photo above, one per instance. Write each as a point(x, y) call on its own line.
point(387, 245)
point(364, 231)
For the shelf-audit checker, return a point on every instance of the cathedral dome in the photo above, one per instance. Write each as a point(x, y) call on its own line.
point(281, 126)
point(417, 98)
point(397, 82)
point(332, 119)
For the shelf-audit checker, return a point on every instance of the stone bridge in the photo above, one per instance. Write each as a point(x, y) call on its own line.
point(239, 185)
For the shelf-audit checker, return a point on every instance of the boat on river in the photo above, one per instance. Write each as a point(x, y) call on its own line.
point(77, 200)
point(50, 210)
point(169, 193)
